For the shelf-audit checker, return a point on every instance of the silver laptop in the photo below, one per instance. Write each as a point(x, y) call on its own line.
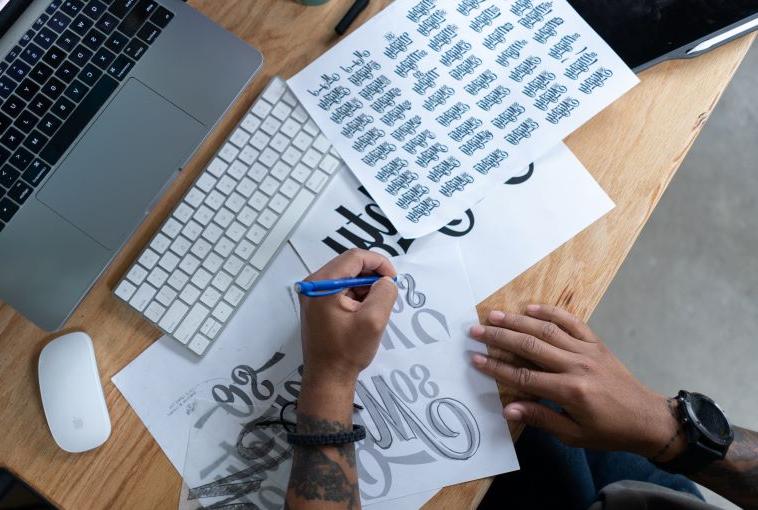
point(102, 102)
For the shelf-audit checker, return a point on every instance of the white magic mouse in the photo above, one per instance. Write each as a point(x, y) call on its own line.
point(72, 395)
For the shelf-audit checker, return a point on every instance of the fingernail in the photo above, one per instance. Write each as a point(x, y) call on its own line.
point(533, 308)
point(478, 360)
point(513, 413)
point(476, 330)
point(497, 316)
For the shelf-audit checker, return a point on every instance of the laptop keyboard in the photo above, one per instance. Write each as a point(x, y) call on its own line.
point(209, 253)
point(54, 81)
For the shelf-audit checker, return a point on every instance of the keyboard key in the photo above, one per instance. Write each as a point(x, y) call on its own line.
point(190, 293)
point(191, 323)
point(7, 209)
point(210, 328)
point(13, 106)
point(67, 72)
point(137, 275)
point(107, 23)
point(247, 277)
point(76, 91)
point(12, 138)
point(13, 54)
point(81, 116)
point(166, 295)
point(149, 33)
point(31, 54)
point(40, 73)
point(80, 55)
point(223, 311)
point(137, 16)
point(94, 39)
point(135, 48)
point(54, 57)
point(154, 311)
point(142, 297)
point(116, 42)
point(210, 296)
point(8, 176)
point(125, 290)
point(173, 316)
point(68, 40)
point(58, 22)
point(53, 88)
point(40, 22)
point(121, 67)
point(4, 155)
point(45, 38)
point(198, 344)
point(7, 86)
point(72, 7)
point(81, 24)
point(119, 8)
point(25, 122)
point(36, 172)
point(19, 192)
point(27, 89)
point(89, 74)
point(35, 141)
point(157, 277)
point(18, 70)
point(103, 58)
point(27, 38)
point(63, 108)
point(161, 16)
point(53, 6)
point(94, 9)
point(49, 123)
point(21, 158)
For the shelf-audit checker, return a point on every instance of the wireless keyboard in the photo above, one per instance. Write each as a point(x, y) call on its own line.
point(207, 256)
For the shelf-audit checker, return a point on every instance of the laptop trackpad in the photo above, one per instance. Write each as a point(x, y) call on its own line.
point(107, 182)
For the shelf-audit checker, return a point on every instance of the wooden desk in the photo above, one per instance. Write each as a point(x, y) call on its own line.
point(633, 149)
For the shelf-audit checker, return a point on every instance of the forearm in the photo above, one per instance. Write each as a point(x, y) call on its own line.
point(736, 477)
point(324, 477)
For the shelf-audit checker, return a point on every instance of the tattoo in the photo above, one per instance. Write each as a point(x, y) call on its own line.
point(736, 477)
point(315, 475)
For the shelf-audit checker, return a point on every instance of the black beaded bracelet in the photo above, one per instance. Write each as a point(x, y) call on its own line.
point(340, 438)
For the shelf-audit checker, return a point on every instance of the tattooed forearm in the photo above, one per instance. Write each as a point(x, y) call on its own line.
point(736, 477)
point(323, 477)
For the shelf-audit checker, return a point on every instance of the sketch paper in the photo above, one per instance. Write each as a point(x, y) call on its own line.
point(433, 103)
point(165, 383)
point(514, 227)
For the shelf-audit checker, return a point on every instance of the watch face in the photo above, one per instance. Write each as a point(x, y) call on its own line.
point(710, 417)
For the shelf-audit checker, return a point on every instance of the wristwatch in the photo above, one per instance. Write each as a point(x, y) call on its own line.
point(706, 429)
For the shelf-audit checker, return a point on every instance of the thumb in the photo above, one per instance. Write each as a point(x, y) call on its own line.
point(542, 417)
point(380, 299)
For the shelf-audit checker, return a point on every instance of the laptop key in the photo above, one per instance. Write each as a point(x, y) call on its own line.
point(13, 106)
point(49, 124)
point(39, 105)
point(121, 67)
point(135, 49)
point(162, 16)
point(53, 88)
point(7, 209)
point(72, 7)
point(12, 138)
point(58, 22)
point(94, 39)
point(4, 155)
point(21, 158)
point(76, 91)
point(121, 7)
point(45, 38)
point(25, 122)
point(137, 16)
point(8, 176)
point(27, 89)
point(18, 70)
point(103, 58)
point(13, 54)
point(35, 141)
point(41, 72)
point(40, 22)
point(68, 40)
point(63, 108)
point(67, 72)
point(36, 172)
point(107, 23)
point(116, 42)
point(94, 9)
point(81, 24)
point(80, 55)
point(79, 119)
point(54, 57)
point(19, 192)
point(149, 33)
point(53, 6)
point(27, 37)
point(7, 86)
point(31, 54)
point(89, 74)
point(5, 121)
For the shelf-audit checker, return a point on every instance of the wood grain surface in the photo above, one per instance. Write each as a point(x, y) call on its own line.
point(633, 149)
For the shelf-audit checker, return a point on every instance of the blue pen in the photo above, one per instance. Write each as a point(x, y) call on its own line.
point(330, 287)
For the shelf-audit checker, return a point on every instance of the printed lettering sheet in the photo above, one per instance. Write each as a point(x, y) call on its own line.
point(519, 223)
point(433, 103)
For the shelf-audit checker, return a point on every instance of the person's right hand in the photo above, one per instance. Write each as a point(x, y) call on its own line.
point(341, 333)
point(603, 405)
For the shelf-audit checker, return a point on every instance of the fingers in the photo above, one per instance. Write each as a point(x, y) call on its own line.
point(533, 382)
point(353, 263)
point(527, 346)
point(573, 325)
point(377, 306)
point(540, 416)
point(546, 331)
